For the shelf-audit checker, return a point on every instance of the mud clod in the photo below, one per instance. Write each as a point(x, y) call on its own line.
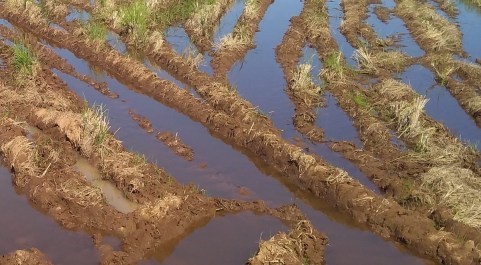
point(301, 245)
point(175, 143)
point(25, 257)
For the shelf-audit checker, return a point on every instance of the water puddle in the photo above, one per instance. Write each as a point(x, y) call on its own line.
point(229, 20)
point(438, 10)
point(396, 29)
point(57, 27)
point(469, 20)
point(267, 93)
point(113, 196)
point(24, 227)
point(180, 41)
point(230, 239)
point(113, 39)
point(76, 14)
point(7, 24)
point(331, 118)
point(335, 18)
point(441, 105)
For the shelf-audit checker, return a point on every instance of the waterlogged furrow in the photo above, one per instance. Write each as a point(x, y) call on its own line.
point(394, 28)
point(441, 105)
point(335, 15)
point(359, 198)
point(61, 246)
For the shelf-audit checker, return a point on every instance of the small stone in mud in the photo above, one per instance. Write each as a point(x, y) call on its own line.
point(202, 165)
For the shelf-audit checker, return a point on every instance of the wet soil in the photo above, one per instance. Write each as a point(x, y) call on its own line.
point(262, 144)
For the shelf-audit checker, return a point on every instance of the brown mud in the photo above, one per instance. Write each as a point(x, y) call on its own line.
point(382, 215)
point(288, 54)
point(224, 58)
point(51, 183)
point(203, 39)
point(142, 121)
point(31, 256)
point(176, 144)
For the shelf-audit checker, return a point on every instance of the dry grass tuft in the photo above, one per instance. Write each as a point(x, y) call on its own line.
point(203, 22)
point(457, 188)
point(87, 131)
point(302, 85)
point(372, 62)
point(160, 208)
point(81, 193)
point(28, 7)
point(236, 41)
point(192, 58)
point(21, 154)
point(434, 30)
point(406, 110)
point(156, 41)
point(289, 248)
point(251, 10)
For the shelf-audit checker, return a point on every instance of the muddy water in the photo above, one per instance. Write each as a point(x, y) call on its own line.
point(229, 20)
point(441, 105)
point(25, 227)
point(76, 14)
point(336, 15)
point(222, 243)
point(395, 28)
point(469, 20)
point(260, 80)
point(180, 41)
point(7, 24)
point(228, 170)
point(112, 195)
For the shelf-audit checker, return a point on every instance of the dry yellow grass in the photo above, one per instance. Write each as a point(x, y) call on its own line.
point(437, 33)
point(87, 131)
point(287, 248)
point(26, 7)
point(159, 208)
point(374, 61)
point(457, 188)
point(81, 193)
point(203, 21)
point(301, 84)
point(21, 155)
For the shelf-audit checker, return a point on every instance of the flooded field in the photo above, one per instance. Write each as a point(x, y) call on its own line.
point(240, 132)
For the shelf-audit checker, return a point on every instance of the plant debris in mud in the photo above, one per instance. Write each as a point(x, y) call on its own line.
point(31, 256)
point(301, 245)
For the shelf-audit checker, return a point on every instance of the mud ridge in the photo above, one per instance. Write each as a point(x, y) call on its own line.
point(305, 98)
point(226, 55)
point(381, 215)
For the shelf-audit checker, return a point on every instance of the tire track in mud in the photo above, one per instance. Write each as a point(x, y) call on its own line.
point(99, 213)
point(375, 200)
point(449, 220)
